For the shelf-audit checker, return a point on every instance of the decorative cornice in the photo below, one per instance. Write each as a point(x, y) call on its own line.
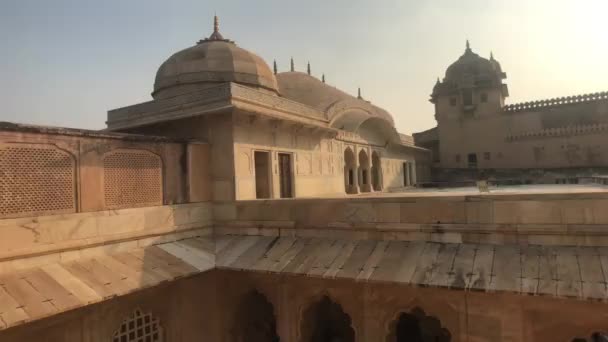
point(218, 98)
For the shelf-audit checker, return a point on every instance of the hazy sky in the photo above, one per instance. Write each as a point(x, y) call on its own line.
point(66, 62)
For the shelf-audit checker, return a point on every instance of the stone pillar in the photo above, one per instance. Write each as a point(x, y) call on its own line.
point(355, 186)
point(413, 180)
point(366, 184)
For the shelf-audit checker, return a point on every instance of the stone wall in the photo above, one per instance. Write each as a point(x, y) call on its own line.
point(317, 166)
point(540, 219)
point(318, 158)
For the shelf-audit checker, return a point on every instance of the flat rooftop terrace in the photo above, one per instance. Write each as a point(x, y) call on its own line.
point(532, 189)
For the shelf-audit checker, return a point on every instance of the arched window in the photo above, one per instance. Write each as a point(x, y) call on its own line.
point(325, 321)
point(255, 320)
point(416, 326)
point(364, 178)
point(140, 327)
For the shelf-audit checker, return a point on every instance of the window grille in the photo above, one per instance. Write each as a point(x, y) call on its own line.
point(36, 179)
point(132, 178)
point(139, 327)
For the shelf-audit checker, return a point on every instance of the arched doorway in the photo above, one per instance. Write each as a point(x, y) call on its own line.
point(416, 326)
point(255, 319)
point(364, 174)
point(350, 172)
point(325, 321)
point(376, 172)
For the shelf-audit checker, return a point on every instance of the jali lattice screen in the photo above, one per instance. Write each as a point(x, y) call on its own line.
point(132, 178)
point(36, 179)
point(139, 327)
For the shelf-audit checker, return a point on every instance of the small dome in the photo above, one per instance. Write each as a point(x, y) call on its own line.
point(213, 60)
point(470, 70)
point(309, 90)
point(471, 66)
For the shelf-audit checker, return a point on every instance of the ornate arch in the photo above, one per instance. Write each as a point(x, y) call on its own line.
point(416, 326)
point(339, 323)
point(255, 319)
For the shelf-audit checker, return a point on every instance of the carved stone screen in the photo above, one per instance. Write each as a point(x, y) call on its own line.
point(139, 327)
point(36, 179)
point(132, 178)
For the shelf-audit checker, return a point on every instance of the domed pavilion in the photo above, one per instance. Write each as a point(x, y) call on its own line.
point(273, 134)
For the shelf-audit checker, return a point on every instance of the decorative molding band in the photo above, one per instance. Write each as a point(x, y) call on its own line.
point(560, 132)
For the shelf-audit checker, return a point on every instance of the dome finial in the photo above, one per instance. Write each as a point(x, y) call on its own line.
point(275, 66)
point(292, 66)
point(308, 68)
point(468, 46)
point(359, 93)
point(491, 55)
point(438, 81)
point(216, 35)
point(323, 78)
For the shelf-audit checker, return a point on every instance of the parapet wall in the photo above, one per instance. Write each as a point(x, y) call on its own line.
point(538, 219)
point(34, 241)
point(47, 171)
point(556, 102)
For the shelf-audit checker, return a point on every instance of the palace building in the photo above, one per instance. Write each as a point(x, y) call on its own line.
point(241, 204)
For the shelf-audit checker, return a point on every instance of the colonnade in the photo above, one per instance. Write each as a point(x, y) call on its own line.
point(362, 172)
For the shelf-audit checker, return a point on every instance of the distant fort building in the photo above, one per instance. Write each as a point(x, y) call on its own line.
point(539, 141)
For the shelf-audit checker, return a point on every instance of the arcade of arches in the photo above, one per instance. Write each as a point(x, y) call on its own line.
point(239, 306)
point(363, 173)
point(309, 309)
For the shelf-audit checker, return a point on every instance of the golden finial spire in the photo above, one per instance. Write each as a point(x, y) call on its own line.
point(468, 49)
point(359, 93)
point(292, 66)
point(216, 24)
point(323, 78)
point(275, 66)
point(308, 68)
